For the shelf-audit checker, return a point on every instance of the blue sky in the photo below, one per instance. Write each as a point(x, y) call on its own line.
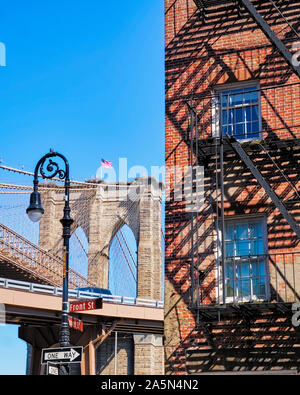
point(86, 78)
point(83, 77)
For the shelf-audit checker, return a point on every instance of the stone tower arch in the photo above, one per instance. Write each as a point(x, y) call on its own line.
point(101, 211)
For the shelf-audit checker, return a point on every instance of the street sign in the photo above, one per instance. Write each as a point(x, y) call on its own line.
point(62, 355)
point(52, 369)
point(75, 323)
point(86, 305)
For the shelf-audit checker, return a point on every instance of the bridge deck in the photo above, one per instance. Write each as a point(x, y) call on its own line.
point(23, 307)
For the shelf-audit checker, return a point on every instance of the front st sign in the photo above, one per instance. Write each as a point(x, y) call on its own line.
point(62, 355)
point(86, 305)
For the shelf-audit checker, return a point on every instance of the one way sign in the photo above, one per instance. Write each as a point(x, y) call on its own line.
point(62, 355)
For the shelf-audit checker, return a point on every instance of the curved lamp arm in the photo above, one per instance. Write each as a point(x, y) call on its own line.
point(49, 170)
point(52, 167)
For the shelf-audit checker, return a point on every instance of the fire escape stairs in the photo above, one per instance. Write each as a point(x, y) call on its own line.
point(277, 43)
point(238, 148)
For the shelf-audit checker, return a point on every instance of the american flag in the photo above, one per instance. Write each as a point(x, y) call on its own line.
point(106, 163)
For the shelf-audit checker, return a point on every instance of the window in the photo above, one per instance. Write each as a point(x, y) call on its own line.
point(241, 112)
point(245, 261)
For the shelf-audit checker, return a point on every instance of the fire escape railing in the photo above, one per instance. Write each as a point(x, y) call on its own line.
point(278, 283)
point(278, 107)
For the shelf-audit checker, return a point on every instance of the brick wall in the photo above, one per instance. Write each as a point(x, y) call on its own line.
point(228, 48)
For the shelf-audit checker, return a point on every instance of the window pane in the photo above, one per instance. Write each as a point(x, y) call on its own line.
point(229, 269)
point(243, 269)
point(229, 232)
point(229, 288)
point(248, 114)
point(248, 97)
point(239, 130)
point(229, 248)
point(258, 269)
point(254, 97)
point(237, 97)
point(259, 288)
point(248, 130)
point(256, 247)
point(239, 115)
point(255, 229)
point(242, 231)
point(251, 96)
point(242, 248)
point(255, 127)
point(225, 99)
point(231, 118)
point(244, 287)
point(254, 113)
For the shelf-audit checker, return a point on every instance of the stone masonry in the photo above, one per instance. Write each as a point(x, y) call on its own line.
point(101, 211)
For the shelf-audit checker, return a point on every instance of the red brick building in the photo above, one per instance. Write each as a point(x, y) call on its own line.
point(233, 108)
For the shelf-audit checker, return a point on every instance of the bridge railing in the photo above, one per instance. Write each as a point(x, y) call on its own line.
point(36, 260)
point(78, 294)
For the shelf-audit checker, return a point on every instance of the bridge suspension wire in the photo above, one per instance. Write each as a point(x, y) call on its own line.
point(127, 261)
point(28, 173)
point(79, 252)
point(122, 274)
point(81, 244)
point(127, 247)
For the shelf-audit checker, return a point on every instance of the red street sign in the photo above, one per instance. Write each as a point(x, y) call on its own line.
point(75, 324)
point(86, 305)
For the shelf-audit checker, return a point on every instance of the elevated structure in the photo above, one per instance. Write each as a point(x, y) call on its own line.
point(38, 309)
point(125, 337)
point(101, 213)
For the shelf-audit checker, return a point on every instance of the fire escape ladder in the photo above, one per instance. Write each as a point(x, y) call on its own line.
point(262, 181)
point(274, 39)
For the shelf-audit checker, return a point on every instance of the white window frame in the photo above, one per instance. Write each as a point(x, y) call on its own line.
point(219, 268)
point(216, 132)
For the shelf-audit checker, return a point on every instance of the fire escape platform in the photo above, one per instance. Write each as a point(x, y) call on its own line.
point(248, 310)
point(211, 146)
point(211, 3)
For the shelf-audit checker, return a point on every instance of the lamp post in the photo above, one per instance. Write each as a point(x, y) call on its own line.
point(35, 212)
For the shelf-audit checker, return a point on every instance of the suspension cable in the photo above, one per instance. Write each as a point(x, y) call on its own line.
point(80, 243)
point(117, 237)
point(28, 173)
point(128, 249)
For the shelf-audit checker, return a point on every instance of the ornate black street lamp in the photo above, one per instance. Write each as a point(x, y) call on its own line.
point(35, 212)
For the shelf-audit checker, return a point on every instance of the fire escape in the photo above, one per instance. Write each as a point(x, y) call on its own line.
point(270, 157)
